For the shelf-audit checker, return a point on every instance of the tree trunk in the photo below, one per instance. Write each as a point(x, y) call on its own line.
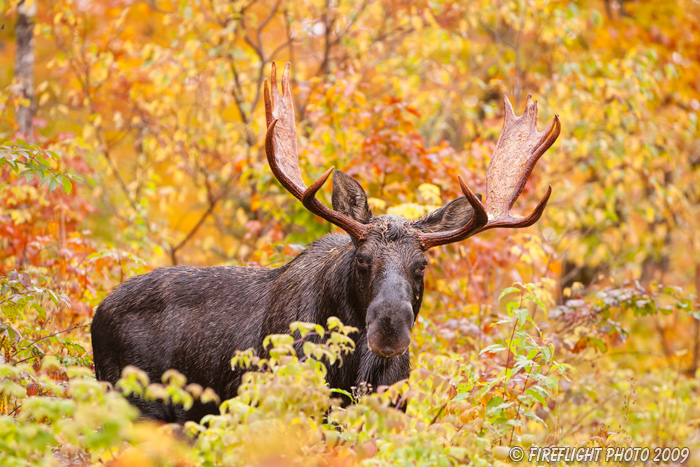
point(696, 349)
point(24, 64)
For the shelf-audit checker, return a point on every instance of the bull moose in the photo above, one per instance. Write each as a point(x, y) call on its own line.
point(194, 319)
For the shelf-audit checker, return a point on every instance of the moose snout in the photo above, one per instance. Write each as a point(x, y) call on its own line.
point(389, 329)
point(388, 352)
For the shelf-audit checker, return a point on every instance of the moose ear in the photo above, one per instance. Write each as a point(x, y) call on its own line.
point(349, 197)
point(451, 216)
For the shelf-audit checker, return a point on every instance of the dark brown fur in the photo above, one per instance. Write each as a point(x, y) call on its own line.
point(194, 319)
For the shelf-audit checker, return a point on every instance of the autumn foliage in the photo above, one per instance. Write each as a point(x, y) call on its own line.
point(146, 150)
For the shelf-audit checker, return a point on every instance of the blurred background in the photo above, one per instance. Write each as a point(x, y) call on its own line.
point(157, 107)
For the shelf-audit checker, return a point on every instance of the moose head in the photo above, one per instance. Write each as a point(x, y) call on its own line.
point(388, 261)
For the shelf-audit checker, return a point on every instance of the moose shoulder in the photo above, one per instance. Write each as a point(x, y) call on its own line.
point(194, 319)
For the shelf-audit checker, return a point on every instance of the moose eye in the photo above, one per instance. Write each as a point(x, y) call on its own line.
point(362, 260)
point(420, 268)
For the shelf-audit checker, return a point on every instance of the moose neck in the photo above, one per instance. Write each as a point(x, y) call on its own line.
point(316, 285)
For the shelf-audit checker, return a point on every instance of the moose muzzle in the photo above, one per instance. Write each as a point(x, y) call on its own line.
point(390, 318)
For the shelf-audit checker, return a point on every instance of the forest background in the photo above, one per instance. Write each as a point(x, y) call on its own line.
point(133, 140)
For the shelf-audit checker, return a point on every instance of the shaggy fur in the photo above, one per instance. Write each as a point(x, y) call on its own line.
point(194, 319)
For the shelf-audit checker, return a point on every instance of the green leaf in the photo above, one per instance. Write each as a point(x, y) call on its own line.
point(39, 309)
point(536, 395)
point(533, 416)
point(493, 348)
point(599, 343)
point(506, 291)
point(67, 186)
point(345, 393)
point(521, 315)
point(538, 301)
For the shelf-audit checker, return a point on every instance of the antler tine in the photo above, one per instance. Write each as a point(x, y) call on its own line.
point(281, 137)
point(517, 151)
point(283, 157)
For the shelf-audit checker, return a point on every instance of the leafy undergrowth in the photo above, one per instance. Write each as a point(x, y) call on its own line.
point(147, 150)
point(465, 405)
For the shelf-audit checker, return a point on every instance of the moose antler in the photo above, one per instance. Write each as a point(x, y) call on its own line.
point(283, 157)
point(518, 149)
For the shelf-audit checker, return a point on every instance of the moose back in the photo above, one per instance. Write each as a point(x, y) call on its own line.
point(194, 319)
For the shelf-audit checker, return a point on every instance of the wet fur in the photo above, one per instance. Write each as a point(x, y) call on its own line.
point(194, 319)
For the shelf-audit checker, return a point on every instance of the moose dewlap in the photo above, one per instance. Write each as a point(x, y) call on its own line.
point(194, 319)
